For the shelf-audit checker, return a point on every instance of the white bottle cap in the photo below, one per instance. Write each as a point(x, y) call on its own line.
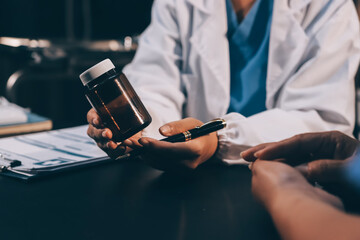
point(96, 71)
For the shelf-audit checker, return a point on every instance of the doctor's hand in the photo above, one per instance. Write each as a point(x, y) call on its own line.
point(103, 136)
point(182, 156)
point(322, 155)
point(275, 184)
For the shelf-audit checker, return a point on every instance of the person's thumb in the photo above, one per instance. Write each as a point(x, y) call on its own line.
point(176, 127)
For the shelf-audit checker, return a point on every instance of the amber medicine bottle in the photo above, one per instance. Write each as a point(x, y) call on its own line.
point(114, 99)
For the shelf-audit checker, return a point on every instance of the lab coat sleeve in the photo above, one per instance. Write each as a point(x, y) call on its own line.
point(154, 71)
point(318, 96)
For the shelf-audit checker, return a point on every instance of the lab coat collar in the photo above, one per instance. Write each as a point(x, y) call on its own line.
point(207, 6)
point(287, 37)
point(298, 4)
point(203, 5)
point(210, 42)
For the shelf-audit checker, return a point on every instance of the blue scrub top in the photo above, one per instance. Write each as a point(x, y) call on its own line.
point(249, 47)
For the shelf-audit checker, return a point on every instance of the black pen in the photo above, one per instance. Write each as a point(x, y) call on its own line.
point(209, 127)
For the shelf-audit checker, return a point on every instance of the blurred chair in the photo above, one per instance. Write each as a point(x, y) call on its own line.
point(49, 84)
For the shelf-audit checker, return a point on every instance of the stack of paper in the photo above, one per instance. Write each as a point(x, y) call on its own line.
point(51, 151)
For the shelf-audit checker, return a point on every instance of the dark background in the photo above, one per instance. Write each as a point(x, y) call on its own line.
point(107, 19)
point(47, 79)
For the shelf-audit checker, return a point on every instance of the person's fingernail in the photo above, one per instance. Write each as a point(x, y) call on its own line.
point(111, 145)
point(128, 142)
point(104, 134)
point(256, 154)
point(165, 129)
point(250, 166)
point(95, 122)
point(303, 169)
point(241, 155)
point(144, 141)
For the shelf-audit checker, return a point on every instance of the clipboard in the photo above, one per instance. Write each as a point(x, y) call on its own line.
point(39, 154)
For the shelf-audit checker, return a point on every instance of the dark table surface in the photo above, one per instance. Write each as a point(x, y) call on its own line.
point(133, 201)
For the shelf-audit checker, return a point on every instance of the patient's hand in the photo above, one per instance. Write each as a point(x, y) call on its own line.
point(325, 154)
point(274, 182)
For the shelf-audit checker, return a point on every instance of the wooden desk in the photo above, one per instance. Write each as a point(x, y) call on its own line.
point(133, 201)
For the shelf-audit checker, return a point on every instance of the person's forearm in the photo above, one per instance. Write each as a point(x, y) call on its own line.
point(300, 216)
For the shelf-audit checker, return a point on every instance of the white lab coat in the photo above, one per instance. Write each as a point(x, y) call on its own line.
point(182, 69)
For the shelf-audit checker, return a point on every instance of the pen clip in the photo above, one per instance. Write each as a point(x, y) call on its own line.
point(214, 121)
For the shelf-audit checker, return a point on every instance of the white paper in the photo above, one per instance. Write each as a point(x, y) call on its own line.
point(11, 113)
point(48, 150)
